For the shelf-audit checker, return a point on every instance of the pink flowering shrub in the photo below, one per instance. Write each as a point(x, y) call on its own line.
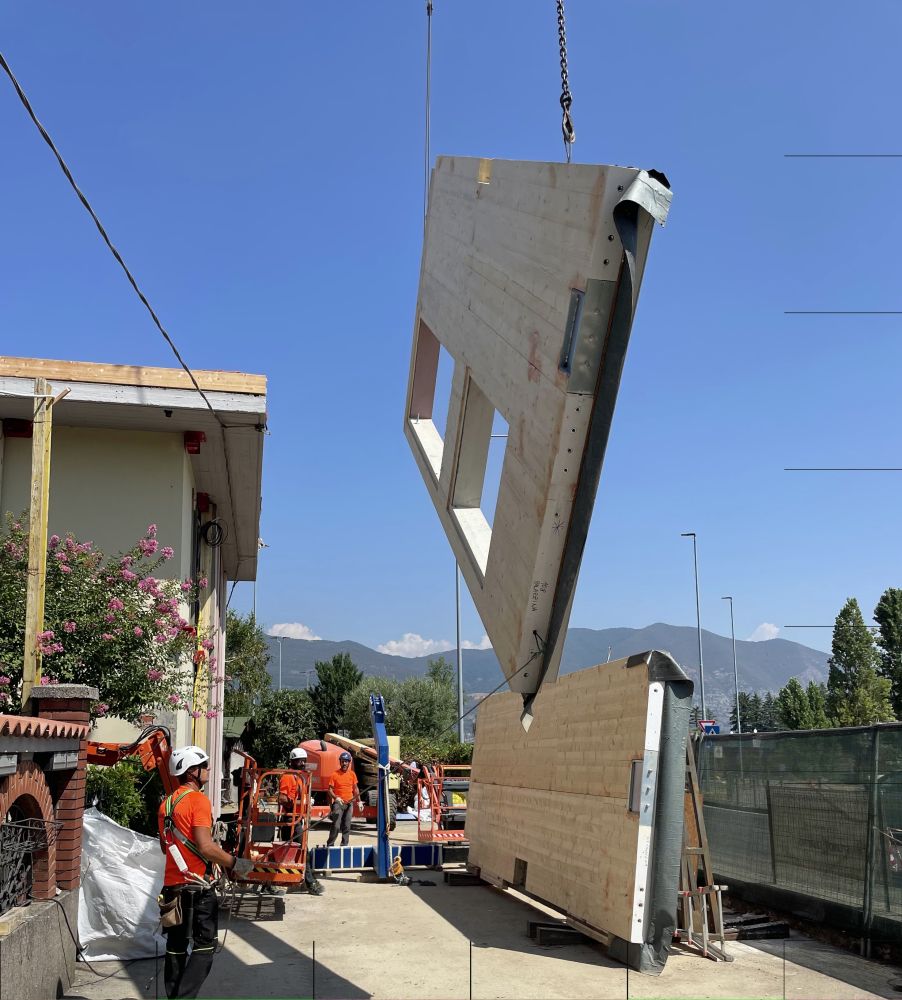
point(109, 623)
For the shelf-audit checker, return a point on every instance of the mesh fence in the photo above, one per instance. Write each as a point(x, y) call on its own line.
point(816, 813)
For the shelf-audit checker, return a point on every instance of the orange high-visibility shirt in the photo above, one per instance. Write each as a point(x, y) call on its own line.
point(191, 810)
point(290, 785)
point(342, 784)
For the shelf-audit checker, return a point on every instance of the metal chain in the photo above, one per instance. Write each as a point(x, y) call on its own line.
point(567, 129)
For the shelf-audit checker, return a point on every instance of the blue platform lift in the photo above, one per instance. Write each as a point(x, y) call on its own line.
point(385, 856)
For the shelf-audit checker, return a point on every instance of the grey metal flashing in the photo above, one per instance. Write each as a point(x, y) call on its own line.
point(661, 665)
point(646, 196)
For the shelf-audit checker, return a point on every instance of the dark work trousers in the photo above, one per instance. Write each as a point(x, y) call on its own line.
point(184, 974)
point(341, 820)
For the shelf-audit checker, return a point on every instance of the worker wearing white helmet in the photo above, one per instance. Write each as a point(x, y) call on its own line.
point(292, 788)
point(188, 904)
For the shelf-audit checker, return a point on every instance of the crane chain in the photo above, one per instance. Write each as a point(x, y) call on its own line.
point(567, 128)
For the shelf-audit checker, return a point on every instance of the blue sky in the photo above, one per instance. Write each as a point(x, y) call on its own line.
point(261, 170)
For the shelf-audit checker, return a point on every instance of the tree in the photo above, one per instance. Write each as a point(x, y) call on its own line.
point(888, 615)
point(440, 671)
point(744, 698)
point(416, 707)
point(108, 623)
point(770, 716)
point(335, 680)
point(817, 703)
point(283, 720)
point(793, 706)
point(856, 694)
point(247, 679)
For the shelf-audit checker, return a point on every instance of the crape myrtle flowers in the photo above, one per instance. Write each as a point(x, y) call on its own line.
point(113, 624)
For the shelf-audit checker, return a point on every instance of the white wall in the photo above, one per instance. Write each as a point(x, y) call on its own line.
point(107, 486)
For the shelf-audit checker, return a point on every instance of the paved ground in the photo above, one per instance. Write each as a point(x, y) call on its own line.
point(435, 941)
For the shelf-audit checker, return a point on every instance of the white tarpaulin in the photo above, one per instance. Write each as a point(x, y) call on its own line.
point(121, 876)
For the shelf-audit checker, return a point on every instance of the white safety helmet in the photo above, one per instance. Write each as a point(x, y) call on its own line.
point(185, 758)
point(299, 753)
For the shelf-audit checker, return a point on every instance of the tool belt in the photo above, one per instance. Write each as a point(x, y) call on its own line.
point(170, 911)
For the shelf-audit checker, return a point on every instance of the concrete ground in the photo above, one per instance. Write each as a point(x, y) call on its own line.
point(362, 939)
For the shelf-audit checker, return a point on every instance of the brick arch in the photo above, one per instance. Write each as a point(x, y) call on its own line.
point(27, 788)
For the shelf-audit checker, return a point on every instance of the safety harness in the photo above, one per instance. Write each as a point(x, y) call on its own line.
point(172, 831)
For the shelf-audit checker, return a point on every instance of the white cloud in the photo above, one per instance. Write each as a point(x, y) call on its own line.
point(764, 632)
point(294, 630)
point(411, 644)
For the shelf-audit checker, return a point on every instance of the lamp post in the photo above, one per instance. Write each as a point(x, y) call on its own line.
point(698, 618)
point(279, 639)
point(735, 668)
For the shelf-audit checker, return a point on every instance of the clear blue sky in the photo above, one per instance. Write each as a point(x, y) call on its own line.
point(260, 167)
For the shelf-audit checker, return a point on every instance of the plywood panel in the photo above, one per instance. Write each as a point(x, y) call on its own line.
point(557, 797)
point(508, 246)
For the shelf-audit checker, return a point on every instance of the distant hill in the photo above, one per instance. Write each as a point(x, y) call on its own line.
point(763, 666)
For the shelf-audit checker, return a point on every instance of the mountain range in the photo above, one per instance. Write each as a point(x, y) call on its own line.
point(763, 666)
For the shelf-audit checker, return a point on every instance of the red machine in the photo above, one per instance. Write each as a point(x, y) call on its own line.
point(275, 839)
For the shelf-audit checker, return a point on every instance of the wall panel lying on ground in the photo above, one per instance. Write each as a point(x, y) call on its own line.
point(549, 810)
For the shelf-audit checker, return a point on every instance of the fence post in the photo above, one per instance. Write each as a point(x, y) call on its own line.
point(870, 866)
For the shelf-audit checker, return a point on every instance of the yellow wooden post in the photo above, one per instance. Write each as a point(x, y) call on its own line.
point(37, 536)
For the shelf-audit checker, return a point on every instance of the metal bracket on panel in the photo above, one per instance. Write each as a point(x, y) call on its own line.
point(571, 330)
point(588, 336)
point(8, 763)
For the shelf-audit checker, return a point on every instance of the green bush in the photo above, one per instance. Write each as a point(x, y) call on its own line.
point(116, 791)
point(127, 794)
point(283, 719)
point(425, 750)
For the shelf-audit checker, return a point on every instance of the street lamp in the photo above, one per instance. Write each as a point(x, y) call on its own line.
point(698, 618)
point(735, 668)
point(279, 639)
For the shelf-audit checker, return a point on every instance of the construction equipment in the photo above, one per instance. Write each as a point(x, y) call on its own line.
point(322, 762)
point(441, 803)
point(255, 833)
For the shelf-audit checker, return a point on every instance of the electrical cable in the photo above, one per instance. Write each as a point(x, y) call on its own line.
point(131, 279)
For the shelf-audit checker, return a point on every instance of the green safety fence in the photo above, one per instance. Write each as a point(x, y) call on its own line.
point(811, 822)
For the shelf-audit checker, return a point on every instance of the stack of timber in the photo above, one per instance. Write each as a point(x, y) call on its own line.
point(585, 810)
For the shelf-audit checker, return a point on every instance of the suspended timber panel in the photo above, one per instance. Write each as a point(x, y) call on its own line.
point(529, 280)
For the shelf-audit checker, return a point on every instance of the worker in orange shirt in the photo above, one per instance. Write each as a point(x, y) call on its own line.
point(343, 791)
point(188, 904)
point(291, 790)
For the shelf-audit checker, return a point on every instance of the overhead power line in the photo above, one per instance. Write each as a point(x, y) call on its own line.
point(45, 135)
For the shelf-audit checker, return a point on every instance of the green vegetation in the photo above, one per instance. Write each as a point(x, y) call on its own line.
point(247, 679)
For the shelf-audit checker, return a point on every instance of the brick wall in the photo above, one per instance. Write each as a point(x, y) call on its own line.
point(71, 704)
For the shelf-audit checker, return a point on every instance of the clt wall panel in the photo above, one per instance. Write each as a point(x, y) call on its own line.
point(529, 282)
point(549, 810)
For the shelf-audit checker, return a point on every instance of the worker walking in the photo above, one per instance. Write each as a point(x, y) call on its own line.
point(343, 791)
point(188, 905)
